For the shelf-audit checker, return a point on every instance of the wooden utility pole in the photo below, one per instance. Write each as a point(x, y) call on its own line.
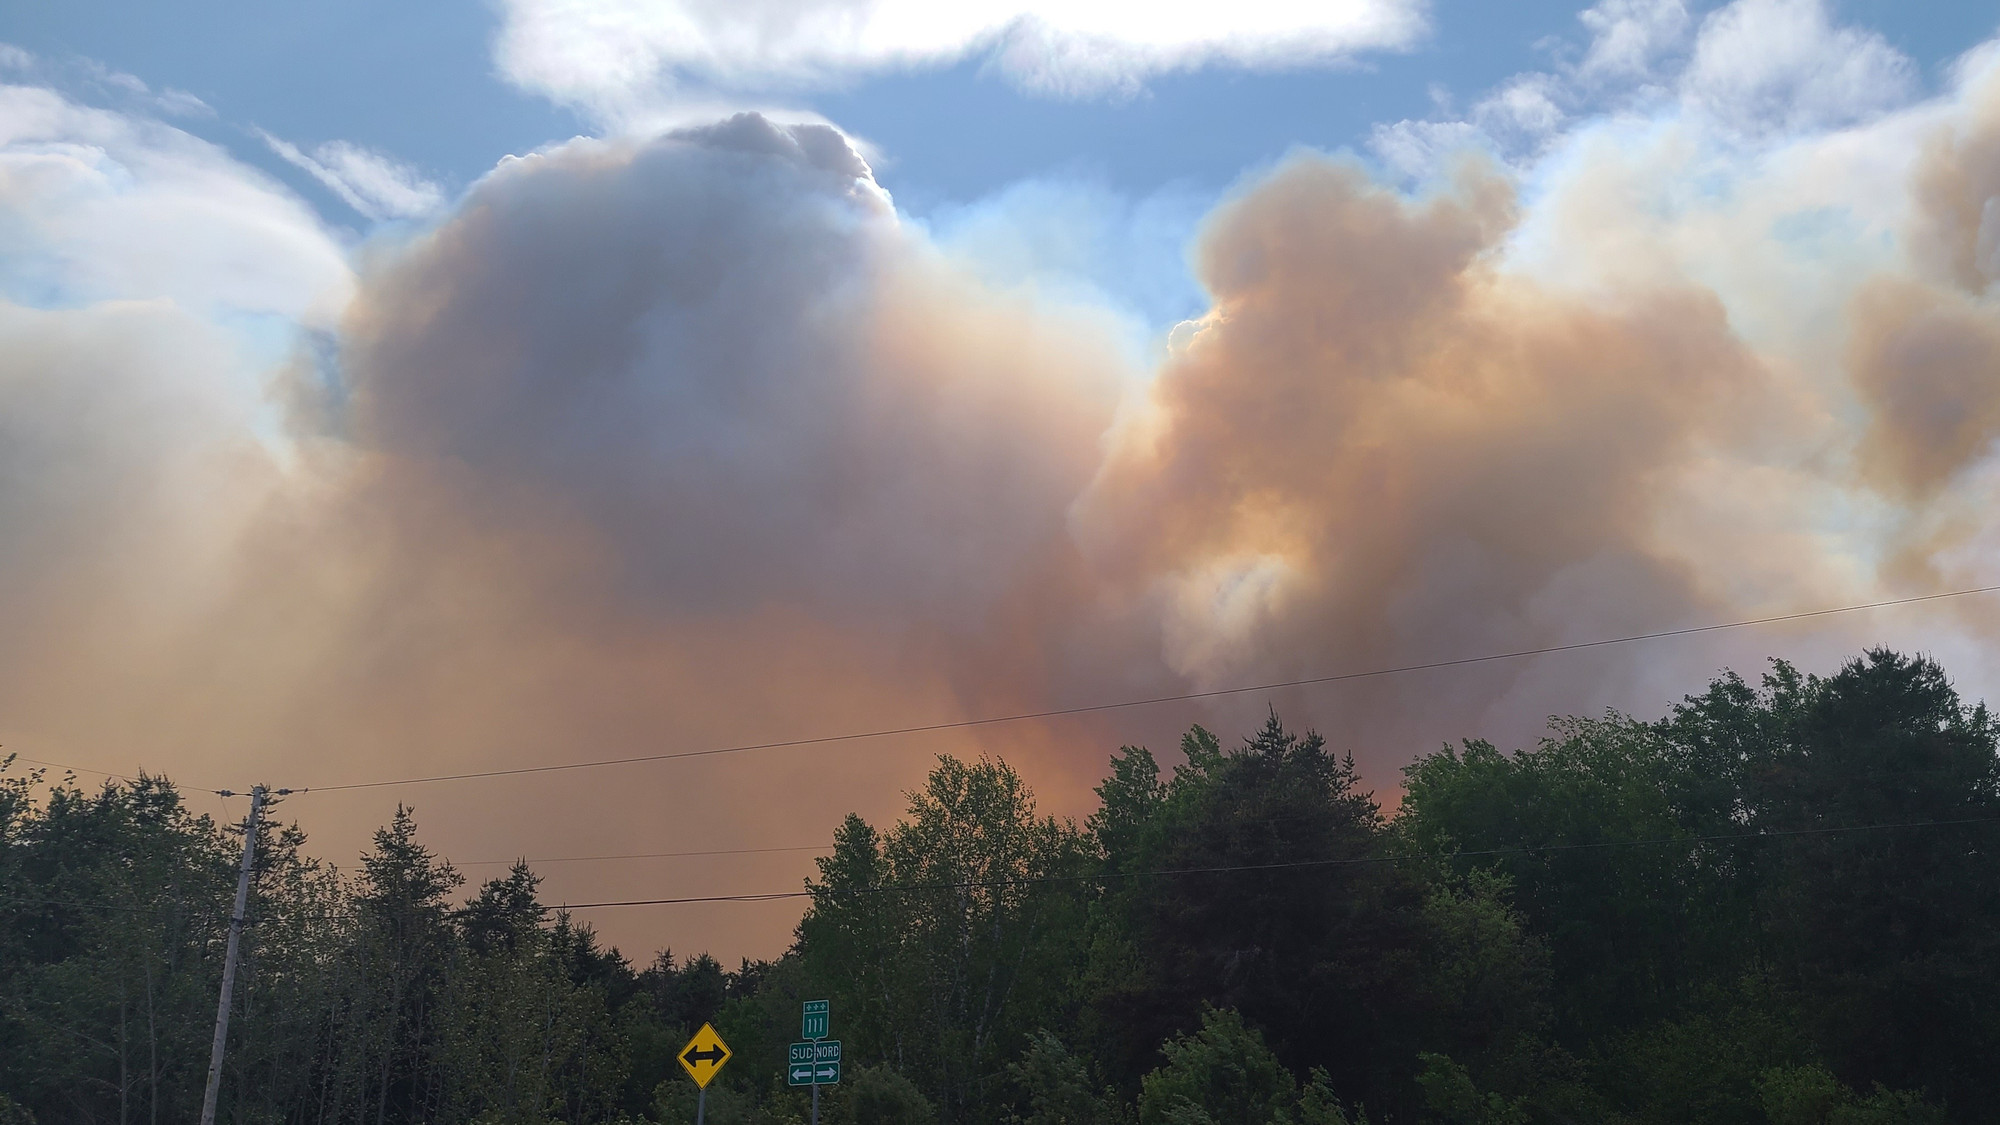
point(250, 823)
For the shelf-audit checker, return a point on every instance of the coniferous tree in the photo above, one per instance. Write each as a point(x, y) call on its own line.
point(1777, 905)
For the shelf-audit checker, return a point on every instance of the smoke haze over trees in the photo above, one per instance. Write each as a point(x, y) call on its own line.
point(1778, 903)
point(954, 435)
point(688, 435)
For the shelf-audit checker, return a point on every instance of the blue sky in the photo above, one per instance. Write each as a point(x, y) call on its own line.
point(419, 83)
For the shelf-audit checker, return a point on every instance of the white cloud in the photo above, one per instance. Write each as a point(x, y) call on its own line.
point(1514, 121)
point(119, 80)
point(393, 188)
point(1782, 65)
point(180, 103)
point(1518, 118)
point(1415, 150)
point(1757, 69)
point(613, 54)
point(377, 186)
point(106, 206)
point(117, 86)
point(1524, 108)
point(1628, 36)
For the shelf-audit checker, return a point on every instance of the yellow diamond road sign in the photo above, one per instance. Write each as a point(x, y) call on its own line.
point(704, 1055)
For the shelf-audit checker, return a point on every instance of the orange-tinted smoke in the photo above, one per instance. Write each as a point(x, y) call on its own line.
point(1379, 448)
point(690, 441)
point(1925, 350)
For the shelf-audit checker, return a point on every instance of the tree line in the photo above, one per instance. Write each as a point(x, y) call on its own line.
point(1779, 903)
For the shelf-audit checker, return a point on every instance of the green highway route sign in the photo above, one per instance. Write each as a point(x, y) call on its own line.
point(813, 1021)
point(814, 1063)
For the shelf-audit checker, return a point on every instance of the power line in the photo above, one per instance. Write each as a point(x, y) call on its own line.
point(78, 905)
point(752, 851)
point(1061, 712)
point(127, 778)
point(1528, 849)
point(72, 769)
point(638, 855)
point(1251, 867)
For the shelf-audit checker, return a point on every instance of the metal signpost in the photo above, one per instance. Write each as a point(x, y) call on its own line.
point(702, 1058)
point(815, 1062)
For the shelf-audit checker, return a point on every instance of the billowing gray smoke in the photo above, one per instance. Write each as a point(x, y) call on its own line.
point(684, 441)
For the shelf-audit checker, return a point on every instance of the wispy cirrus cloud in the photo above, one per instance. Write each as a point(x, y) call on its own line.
point(125, 88)
point(1752, 70)
point(377, 186)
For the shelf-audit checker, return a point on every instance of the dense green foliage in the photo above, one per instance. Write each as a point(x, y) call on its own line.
point(1778, 904)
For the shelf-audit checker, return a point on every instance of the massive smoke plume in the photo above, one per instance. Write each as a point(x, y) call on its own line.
point(687, 440)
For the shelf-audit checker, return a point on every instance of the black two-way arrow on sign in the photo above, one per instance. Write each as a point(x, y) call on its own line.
point(705, 1047)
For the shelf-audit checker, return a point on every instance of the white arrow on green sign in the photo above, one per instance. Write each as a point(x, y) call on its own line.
point(814, 1063)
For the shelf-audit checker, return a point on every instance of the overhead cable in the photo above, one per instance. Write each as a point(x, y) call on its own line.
point(635, 855)
point(1061, 712)
point(1354, 861)
point(1148, 701)
point(1230, 869)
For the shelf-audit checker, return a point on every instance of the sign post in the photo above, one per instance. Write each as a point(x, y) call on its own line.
point(702, 1058)
point(815, 1062)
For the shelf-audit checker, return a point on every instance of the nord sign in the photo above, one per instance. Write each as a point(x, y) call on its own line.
point(814, 1063)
